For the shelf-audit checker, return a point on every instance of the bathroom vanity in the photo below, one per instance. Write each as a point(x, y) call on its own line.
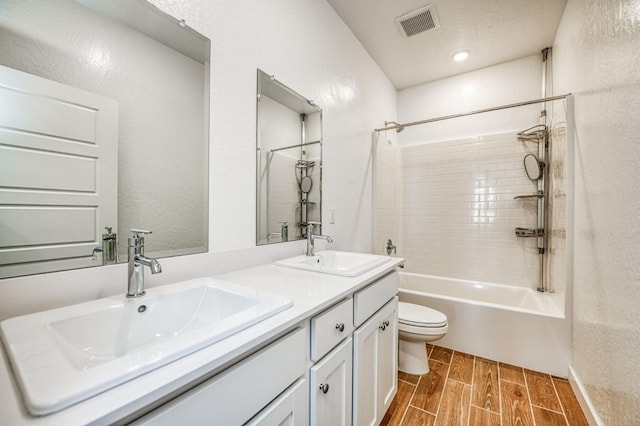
point(330, 358)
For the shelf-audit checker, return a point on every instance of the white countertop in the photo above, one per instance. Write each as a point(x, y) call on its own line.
point(311, 292)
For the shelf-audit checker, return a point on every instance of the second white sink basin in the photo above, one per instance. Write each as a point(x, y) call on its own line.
point(69, 354)
point(342, 263)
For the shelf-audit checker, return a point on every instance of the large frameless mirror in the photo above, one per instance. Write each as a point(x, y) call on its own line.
point(289, 162)
point(104, 123)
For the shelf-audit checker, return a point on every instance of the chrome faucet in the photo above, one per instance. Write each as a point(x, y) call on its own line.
point(137, 260)
point(311, 238)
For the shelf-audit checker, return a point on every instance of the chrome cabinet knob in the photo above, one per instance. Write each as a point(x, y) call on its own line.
point(324, 387)
point(340, 327)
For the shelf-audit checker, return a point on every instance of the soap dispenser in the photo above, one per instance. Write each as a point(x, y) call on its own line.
point(284, 231)
point(109, 247)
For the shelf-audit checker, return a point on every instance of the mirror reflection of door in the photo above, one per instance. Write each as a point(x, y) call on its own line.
point(289, 160)
point(58, 174)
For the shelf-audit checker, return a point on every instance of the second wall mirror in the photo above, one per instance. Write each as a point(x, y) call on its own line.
point(289, 162)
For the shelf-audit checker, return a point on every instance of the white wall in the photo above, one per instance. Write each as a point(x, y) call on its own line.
point(507, 83)
point(596, 54)
point(306, 46)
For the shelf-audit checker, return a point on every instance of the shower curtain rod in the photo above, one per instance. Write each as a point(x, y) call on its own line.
point(400, 127)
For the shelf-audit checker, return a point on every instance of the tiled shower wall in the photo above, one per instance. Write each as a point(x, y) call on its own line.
point(388, 197)
point(450, 208)
point(459, 213)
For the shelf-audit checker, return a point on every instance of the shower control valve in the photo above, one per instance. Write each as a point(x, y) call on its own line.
point(390, 247)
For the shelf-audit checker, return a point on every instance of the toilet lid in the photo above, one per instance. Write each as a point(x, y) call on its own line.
point(420, 316)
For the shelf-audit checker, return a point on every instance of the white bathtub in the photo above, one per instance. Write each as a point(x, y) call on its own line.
point(505, 323)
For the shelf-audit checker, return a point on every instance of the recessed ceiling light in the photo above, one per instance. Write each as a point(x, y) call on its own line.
point(460, 55)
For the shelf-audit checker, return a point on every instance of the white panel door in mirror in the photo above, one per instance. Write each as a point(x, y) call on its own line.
point(58, 173)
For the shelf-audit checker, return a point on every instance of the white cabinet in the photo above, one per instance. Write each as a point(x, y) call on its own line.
point(356, 382)
point(323, 374)
point(330, 388)
point(238, 393)
point(330, 376)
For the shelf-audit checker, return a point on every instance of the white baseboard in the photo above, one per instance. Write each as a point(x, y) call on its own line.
point(583, 399)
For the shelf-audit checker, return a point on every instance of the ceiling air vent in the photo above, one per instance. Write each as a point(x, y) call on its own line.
point(418, 21)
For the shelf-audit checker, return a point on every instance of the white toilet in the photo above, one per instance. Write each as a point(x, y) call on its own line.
point(417, 325)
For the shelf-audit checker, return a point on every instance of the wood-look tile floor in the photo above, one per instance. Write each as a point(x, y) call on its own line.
point(466, 390)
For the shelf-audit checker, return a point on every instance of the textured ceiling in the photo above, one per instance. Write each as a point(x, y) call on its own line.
point(495, 31)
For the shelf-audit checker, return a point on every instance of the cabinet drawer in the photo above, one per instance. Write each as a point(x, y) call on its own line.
point(330, 328)
point(238, 393)
point(368, 300)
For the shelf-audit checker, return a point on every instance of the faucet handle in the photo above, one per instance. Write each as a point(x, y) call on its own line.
point(310, 224)
point(137, 232)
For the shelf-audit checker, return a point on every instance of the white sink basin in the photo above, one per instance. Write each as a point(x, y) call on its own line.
point(65, 355)
point(342, 263)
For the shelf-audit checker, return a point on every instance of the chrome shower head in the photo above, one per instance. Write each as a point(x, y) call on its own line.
point(398, 127)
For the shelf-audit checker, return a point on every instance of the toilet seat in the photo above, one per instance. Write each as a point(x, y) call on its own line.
point(418, 317)
point(423, 331)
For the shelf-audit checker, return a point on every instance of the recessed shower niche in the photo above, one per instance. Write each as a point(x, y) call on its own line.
point(289, 162)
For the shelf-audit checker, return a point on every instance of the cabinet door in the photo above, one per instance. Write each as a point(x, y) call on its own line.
point(289, 409)
point(387, 357)
point(375, 365)
point(330, 388)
